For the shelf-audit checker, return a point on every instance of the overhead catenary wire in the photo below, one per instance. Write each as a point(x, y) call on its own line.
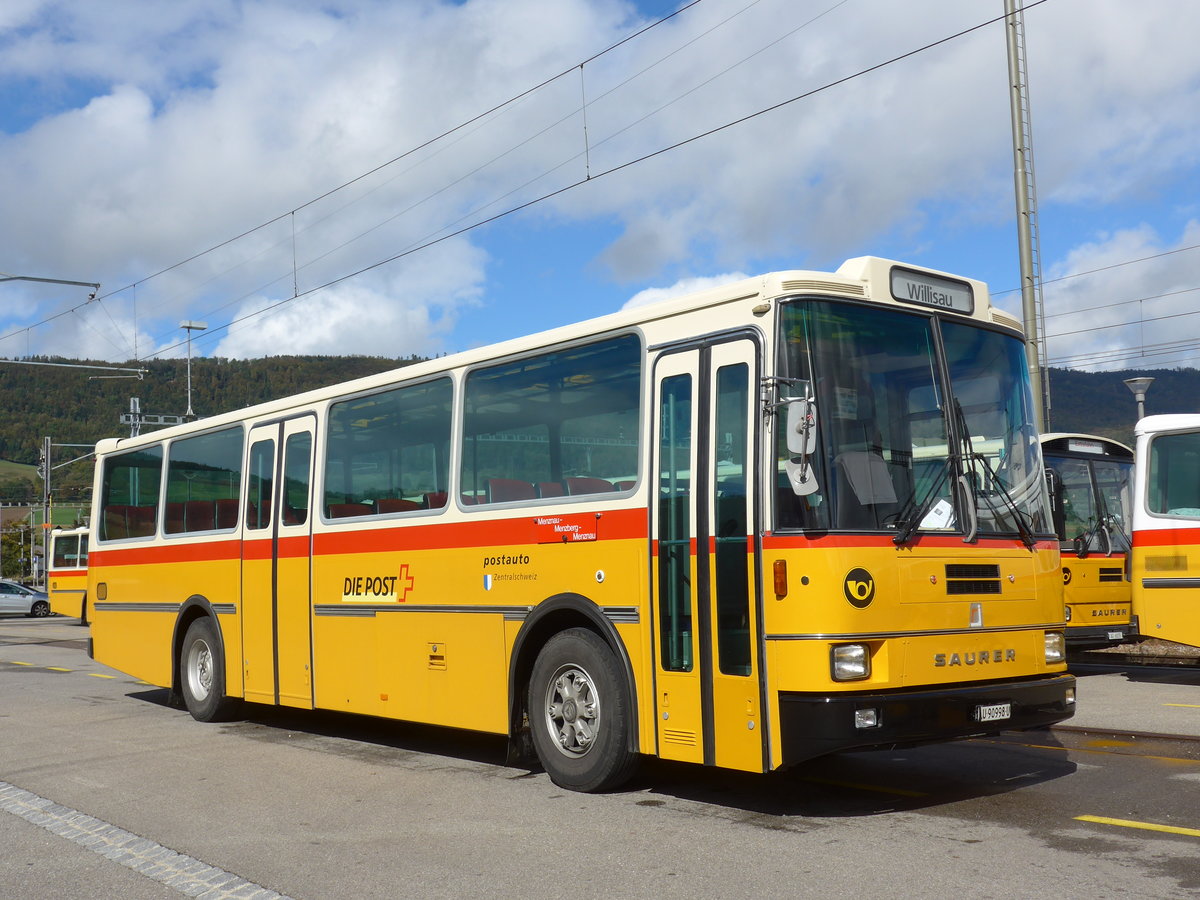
point(595, 176)
point(415, 149)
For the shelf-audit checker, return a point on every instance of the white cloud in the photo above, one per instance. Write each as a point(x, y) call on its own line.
point(680, 288)
point(168, 128)
point(408, 311)
point(1105, 311)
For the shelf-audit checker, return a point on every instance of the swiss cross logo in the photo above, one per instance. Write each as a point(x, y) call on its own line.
point(404, 584)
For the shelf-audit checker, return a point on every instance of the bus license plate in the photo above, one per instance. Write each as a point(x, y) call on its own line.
point(996, 712)
point(1115, 635)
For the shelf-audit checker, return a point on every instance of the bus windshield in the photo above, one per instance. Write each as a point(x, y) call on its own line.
point(1094, 506)
point(906, 441)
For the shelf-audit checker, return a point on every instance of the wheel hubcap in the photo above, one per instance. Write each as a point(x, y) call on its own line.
point(572, 711)
point(200, 671)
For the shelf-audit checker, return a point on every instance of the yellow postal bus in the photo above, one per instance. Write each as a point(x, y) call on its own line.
point(66, 581)
point(741, 528)
point(1091, 484)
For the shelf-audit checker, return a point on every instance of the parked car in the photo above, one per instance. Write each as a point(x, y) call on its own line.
point(16, 598)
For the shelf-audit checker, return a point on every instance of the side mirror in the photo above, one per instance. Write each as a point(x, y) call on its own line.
point(801, 425)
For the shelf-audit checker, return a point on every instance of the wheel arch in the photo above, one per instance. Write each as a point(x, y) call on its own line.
point(550, 617)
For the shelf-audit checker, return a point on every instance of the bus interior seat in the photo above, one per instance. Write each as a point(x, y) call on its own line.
point(501, 490)
point(199, 515)
point(227, 512)
point(116, 523)
point(863, 475)
point(142, 520)
point(395, 504)
point(583, 484)
point(295, 515)
point(173, 521)
point(549, 489)
point(348, 510)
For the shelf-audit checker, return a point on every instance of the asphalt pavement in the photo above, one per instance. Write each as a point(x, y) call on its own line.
point(1126, 698)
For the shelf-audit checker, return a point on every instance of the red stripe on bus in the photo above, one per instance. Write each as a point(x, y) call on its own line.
point(840, 541)
point(166, 553)
point(613, 525)
point(1166, 536)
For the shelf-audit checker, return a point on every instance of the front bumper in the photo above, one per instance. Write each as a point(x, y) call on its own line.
point(815, 724)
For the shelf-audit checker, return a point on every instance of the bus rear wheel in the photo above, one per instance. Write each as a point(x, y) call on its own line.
point(579, 713)
point(202, 673)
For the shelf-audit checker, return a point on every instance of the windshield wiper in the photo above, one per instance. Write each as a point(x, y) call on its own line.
point(1023, 529)
point(907, 524)
point(1105, 524)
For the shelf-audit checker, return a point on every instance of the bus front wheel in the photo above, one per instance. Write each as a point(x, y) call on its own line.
point(202, 673)
point(579, 713)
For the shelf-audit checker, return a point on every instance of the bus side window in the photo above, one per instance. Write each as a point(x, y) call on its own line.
point(201, 472)
point(129, 493)
point(560, 424)
point(388, 452)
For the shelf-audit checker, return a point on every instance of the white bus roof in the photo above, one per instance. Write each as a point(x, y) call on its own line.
point(1172, 422)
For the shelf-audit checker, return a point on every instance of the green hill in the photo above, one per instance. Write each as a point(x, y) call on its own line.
point(72, 408)
point(1100, 403)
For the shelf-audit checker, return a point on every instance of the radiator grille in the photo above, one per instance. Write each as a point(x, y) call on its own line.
point(972, 578)
point(972, 570)
point(1112, 574)
point(972, 587)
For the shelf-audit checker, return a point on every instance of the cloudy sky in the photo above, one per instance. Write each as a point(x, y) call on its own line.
point(304, 175)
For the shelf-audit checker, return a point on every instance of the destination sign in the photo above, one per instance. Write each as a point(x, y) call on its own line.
point(924, 289)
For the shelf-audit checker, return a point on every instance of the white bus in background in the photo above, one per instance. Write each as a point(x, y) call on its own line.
point(1165, 566)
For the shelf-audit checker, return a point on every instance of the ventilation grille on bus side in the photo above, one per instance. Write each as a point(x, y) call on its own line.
point(972, 578)
point(798, 287)
point(1112, 574)
point(675, 736)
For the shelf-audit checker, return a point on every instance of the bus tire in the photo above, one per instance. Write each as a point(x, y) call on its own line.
point(579, 713)
point(83, 619)
point(202, 673)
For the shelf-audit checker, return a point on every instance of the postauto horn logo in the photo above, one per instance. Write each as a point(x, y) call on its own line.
point(859, 588)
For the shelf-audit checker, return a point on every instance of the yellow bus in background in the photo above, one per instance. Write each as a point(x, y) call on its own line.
point(1166, 528)
point(740, 528)
point(66, 580)
point(1091, 503)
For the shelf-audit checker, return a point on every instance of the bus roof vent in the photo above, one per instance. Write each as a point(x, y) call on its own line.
point(796, 286)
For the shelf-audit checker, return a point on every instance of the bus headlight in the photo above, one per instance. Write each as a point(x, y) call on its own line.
point(1056, 647)
point(849, 662)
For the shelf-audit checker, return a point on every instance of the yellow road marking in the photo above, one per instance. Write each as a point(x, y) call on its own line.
point(1145, 826)
point(18, 663)
point(865, 787)
point(1184, 705)
point(59, 669)
point(101, 675)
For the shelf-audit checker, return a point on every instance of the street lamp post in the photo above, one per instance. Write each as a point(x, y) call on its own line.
point(1139, 386)
point(189, 326)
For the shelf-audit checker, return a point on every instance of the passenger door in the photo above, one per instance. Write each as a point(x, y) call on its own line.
point(708, 700)
point(276, 564)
